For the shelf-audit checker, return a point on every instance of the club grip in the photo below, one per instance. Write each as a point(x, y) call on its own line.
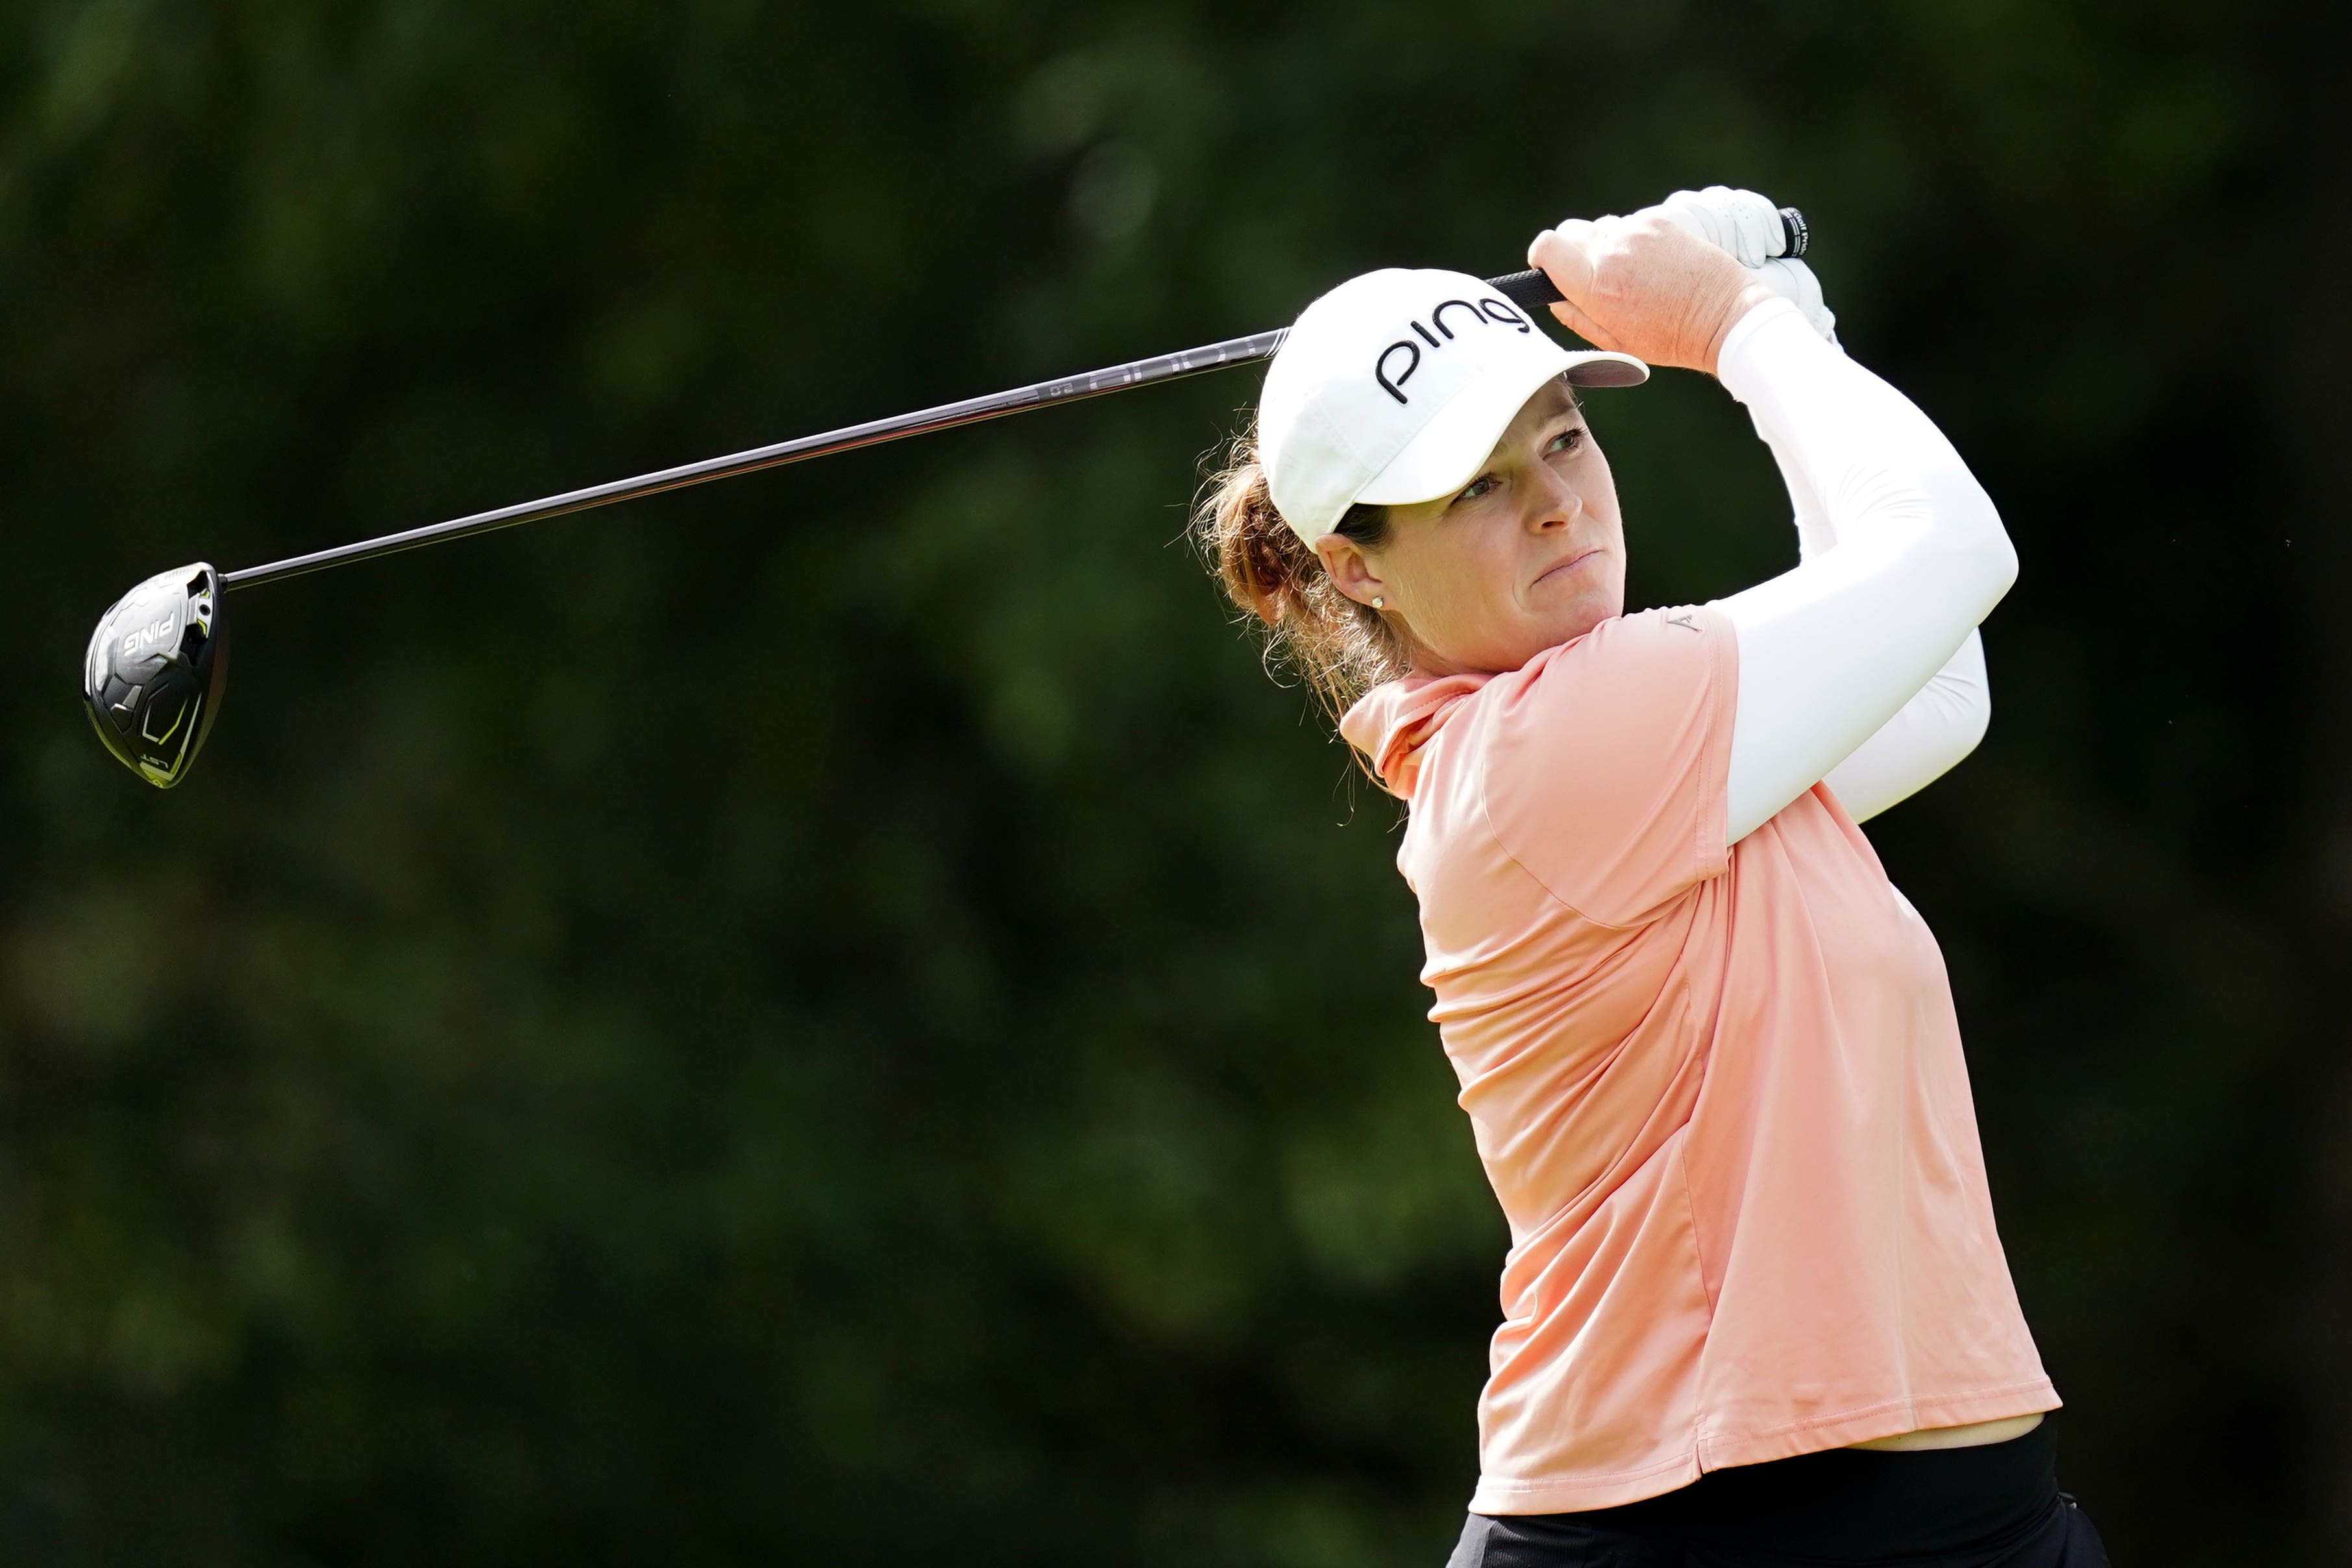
point(1528, 290)
point(1531, 290)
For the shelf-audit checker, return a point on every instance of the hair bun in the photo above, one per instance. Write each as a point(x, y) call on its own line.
point(1341, 649)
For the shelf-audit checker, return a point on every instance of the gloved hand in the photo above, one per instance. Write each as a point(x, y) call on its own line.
point(1749, 226)
point(1742, 222)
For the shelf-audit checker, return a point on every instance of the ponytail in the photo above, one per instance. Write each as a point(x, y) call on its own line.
point(1340, 649)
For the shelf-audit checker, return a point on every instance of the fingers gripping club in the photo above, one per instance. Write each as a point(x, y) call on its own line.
point(1533, 290)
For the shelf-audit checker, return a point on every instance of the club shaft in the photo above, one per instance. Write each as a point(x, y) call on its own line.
point(1528, 289)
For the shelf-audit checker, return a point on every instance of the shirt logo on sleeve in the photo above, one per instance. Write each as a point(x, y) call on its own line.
point(1683, 620)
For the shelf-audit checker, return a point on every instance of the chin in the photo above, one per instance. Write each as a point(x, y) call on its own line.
point(1574, 620)
point(1546, 632)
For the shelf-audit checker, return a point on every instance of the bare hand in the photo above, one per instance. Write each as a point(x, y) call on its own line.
point(1644, 286)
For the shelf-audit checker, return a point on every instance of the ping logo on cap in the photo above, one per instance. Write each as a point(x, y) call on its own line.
point(1489, 309)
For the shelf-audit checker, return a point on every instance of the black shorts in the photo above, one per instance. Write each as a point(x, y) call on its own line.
point(1995, 1506)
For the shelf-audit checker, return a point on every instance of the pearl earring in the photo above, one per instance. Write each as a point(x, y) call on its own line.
point(1378, 603)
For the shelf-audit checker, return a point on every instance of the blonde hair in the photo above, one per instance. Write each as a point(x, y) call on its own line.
point(1340, 649)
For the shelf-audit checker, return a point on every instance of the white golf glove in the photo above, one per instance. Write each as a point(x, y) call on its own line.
point(1749, 226)
point(1742, 222)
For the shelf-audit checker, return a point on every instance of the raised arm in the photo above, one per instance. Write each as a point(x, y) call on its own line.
point(1832, 651)
point(1943, 722)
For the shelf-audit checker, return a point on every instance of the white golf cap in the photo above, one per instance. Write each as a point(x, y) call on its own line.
point(1395, 386)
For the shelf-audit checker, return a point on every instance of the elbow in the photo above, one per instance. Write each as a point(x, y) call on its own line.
point(1999, 564)
point(1982, 555)
point(1962, 694)
point(1975, 722)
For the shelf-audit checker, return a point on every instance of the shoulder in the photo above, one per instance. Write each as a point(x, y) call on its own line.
point(1625, 661)
point(1600, 765)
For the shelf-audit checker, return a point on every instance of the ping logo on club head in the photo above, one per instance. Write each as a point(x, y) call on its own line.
point(1489, 310)
point(158, 633)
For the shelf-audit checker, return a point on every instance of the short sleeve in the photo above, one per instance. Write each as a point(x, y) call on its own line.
point(1603, 762)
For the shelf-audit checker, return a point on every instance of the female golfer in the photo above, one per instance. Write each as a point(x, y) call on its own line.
point(1755, 1309)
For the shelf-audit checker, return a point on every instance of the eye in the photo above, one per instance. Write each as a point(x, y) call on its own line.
point(1482, 486)
point(1567, 440)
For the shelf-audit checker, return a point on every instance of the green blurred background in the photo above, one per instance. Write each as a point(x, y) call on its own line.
point(840, 1017)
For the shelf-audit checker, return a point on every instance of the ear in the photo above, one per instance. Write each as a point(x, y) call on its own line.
point(1345, 562)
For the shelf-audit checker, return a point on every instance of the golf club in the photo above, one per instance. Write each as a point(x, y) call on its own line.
point(158, 660)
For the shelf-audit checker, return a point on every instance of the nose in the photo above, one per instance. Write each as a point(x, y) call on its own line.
point(1552, 502)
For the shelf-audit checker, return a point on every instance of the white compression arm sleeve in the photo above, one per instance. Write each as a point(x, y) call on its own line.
point(1905, 555)
point(1920, 744)
point(1932, 732)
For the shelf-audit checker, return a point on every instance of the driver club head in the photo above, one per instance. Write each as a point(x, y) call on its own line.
point(158, 663)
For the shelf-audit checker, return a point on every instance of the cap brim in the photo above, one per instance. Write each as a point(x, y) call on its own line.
point(1455, 445)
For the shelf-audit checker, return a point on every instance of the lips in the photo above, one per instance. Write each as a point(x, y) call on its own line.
point(1570, 564)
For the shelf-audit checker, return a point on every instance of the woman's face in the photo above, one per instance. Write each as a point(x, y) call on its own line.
point(1526, 557)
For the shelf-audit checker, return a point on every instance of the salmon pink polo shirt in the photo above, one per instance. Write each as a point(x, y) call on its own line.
point(1720, 1092)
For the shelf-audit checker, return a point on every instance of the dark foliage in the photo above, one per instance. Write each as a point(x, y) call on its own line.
point(841, 1014)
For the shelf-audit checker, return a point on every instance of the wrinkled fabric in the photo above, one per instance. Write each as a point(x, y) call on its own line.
point(1718, 1092)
